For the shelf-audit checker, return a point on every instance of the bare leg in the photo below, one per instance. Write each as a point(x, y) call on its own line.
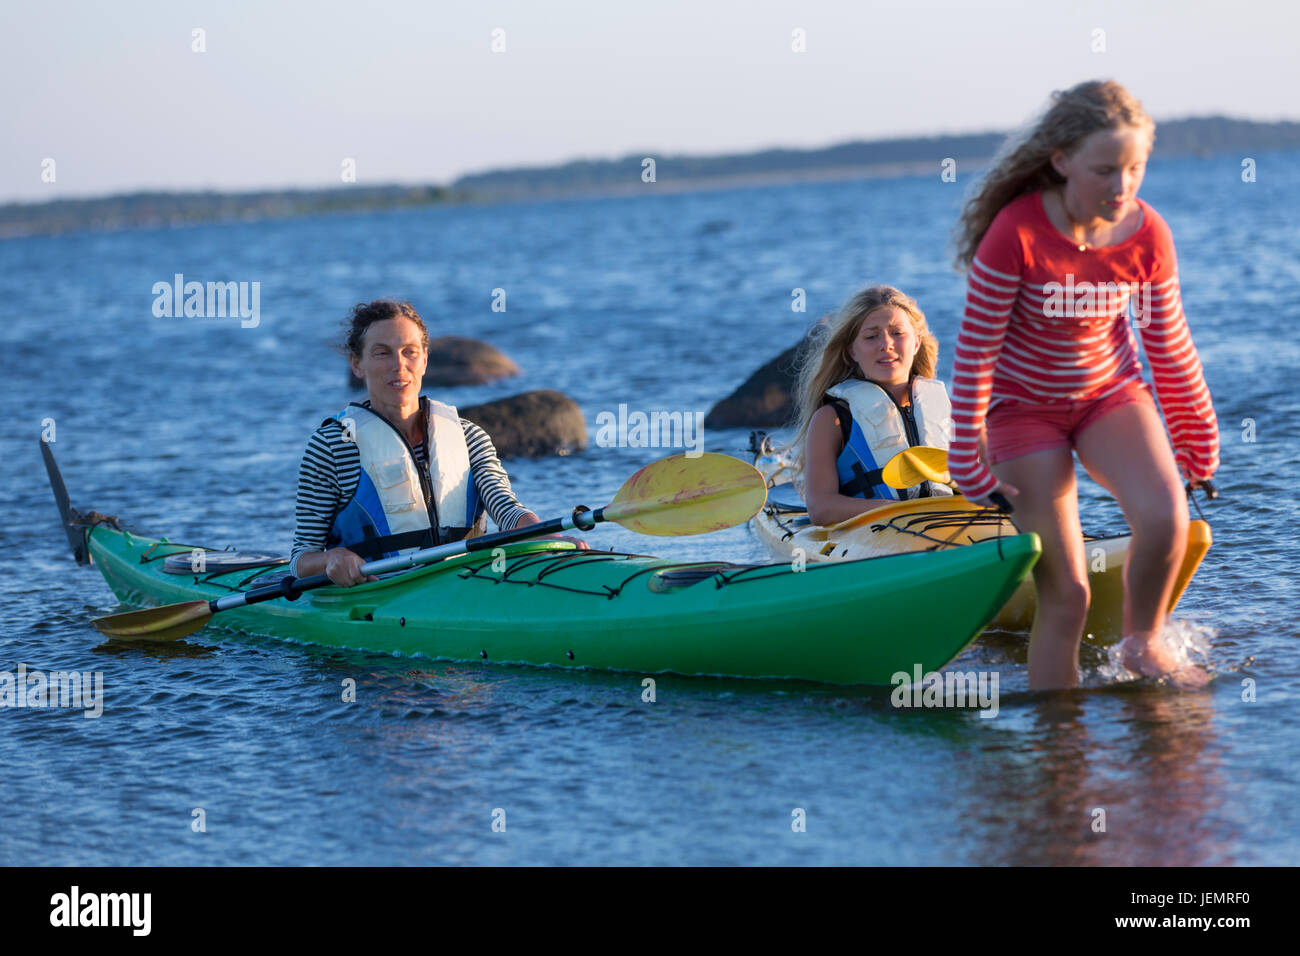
point(1128, 454)
point(1048, 505)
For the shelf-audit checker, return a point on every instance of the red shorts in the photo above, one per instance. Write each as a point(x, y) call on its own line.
point(1016, 428)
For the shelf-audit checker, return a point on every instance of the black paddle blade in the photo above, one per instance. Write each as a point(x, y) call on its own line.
point(76, 534)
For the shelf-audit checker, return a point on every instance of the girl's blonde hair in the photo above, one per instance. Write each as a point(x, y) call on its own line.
point(825, 360)
point(1025, 163)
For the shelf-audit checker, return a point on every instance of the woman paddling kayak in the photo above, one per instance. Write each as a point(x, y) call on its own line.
point(369, 486)
point(865, 393)
point(1058, 247)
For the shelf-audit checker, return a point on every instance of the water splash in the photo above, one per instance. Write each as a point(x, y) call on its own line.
point(1187, 641)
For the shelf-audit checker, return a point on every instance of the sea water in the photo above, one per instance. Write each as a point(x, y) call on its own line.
point(244, 750)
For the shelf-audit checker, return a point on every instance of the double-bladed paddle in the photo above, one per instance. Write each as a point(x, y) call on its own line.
point(671, 497)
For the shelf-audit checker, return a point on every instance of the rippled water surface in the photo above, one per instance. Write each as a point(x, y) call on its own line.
point(193, 428)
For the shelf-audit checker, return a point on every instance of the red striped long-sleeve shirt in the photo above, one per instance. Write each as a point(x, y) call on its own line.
point(1046, 322)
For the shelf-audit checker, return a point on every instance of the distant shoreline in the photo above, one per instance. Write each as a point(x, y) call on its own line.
point(868, 159)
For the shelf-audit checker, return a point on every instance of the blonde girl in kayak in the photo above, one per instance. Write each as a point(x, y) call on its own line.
point(398, 471)
point(866, 391)
point(1058, 249)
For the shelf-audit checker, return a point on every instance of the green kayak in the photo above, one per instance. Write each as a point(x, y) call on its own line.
point(547, 603)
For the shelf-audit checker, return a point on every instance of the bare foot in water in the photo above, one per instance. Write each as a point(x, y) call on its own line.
point(1151, 658)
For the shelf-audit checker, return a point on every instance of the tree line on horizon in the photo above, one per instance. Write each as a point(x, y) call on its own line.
point(1195, 136)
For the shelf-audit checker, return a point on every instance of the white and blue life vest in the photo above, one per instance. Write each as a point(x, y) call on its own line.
point(879, 429)
point(398, 506)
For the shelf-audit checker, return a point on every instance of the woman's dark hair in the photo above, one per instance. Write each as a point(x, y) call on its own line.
point(365, 314)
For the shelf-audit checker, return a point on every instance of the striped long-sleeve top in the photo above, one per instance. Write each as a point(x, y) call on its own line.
point(1046, 322)
point(331, 470)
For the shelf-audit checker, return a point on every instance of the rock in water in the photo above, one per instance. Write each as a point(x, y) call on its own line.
point(531, 424)
point(454, 360)
point(765, 400)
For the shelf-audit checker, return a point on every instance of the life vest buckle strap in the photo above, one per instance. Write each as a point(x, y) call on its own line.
point(375, 546)
point(863, 481)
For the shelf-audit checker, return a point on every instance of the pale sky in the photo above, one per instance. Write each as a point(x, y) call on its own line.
point(285, 91)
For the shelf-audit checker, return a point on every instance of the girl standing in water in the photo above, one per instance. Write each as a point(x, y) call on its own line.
point(1057, 247)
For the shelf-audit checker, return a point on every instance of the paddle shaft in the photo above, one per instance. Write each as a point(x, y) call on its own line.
point(582, 519)
point(1004, 505)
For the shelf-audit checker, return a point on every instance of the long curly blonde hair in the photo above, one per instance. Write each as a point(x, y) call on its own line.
point(825, 360)
point(1025, 163)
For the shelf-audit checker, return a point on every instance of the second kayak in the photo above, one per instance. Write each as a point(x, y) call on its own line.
point(944, 523)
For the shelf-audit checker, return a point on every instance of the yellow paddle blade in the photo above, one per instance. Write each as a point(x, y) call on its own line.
point(1199, 540)
point(680, 496)
point(911, 466)
point(167, 623)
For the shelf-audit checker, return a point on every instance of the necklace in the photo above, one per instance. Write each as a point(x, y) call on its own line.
point(1083, 246)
